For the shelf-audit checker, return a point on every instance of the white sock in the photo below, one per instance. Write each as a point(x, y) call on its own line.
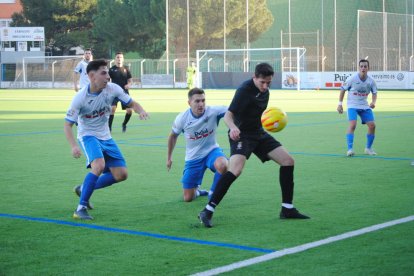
point(80, 207)
point(211, 209)
point(287, 205)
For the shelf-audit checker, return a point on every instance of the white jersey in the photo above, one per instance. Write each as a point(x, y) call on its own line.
point(359, 91)
point(91, 111)
point(199, 132)
point(81, 70)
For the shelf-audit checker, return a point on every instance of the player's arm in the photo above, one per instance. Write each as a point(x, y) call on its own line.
point(76, 152)
point(128, 85)
point(75, 81)
point(234, 130)
point(374, 100)
point(129, 80)
point(341, 99)
point(172, 141)
point(143, 115)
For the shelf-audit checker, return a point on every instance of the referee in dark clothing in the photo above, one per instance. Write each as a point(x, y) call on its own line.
point(247, 136)
point(120, 75)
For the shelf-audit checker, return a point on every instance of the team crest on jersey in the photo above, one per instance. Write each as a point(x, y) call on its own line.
point(239, 145)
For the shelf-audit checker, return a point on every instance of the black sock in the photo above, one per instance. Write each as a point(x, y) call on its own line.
point(222, 187)
point(286, 183)
point(111, 119)
point(127, 117)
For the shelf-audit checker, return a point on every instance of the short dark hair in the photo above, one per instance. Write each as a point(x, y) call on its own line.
point(263, 70)
point(363, 60)
point(94, 65)
point(88, 49)
point(195, 91)
point(119, 53)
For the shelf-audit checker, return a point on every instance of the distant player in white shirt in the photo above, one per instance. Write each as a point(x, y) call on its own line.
point(81, 70)
point(359, 86)
point(199, 124)
point(90, 109)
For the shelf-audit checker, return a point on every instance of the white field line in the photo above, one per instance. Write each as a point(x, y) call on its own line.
point(303, 247)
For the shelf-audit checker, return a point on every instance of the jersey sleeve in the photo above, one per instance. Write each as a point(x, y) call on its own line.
point(73, 112)
point(129, 76)
point(347, 83)
point(220, 111)
point(239, 102)
point(78, 68)
point(374, 89)
point(178, 125)
point(121, 95)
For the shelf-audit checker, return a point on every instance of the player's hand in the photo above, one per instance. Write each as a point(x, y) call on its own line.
point(372, 105)
point(169, 164)
point(76, 152)
point(340, 109)
point(143, 115)
point(234, 134)
point(126, 86)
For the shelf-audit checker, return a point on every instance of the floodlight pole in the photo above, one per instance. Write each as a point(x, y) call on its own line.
point(53, 74)
point(167, 53)
point(175, 60)
point(224, 35)
point(188, 33)
point(142, 69)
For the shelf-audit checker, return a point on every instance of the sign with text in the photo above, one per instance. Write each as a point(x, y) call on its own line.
point(22, 34)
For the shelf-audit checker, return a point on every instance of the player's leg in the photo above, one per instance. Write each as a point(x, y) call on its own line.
point(352, 118)
point(236, 165)
point(367, 117)
point(128, 114)
point(87, 189)
point(115, 169)
point(217, 163)
point(287, 165)
point(192, 177)
point(111, 117)
point(94, 160)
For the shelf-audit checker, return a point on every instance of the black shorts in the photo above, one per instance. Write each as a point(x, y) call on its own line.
point(260, 144)
point(116, 100)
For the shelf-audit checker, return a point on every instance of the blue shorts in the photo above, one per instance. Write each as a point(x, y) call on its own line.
point(194, 169)
point(366, 115)
point(93, 148)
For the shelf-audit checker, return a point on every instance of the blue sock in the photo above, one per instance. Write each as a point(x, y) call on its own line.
point(215, 180)
point(350, 140)
point(105, 180)
point(87, 188)
point(370, 140)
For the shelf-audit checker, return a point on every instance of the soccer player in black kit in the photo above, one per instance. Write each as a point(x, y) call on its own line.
point(247, 136)
point(120, 75)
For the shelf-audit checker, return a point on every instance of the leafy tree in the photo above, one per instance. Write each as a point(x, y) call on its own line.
point(207, 26)
point(67, 23)
point(135, 25)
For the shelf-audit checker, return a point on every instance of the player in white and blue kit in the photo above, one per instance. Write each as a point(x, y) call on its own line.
point(81, 70)
point(199, 124)
point(359, 86)
point(90, 110)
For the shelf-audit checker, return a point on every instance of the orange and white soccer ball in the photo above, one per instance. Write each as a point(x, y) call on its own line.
point(274, 119)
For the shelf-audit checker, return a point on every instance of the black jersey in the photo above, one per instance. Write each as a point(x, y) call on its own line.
point(247, 106)
point(120, 75)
